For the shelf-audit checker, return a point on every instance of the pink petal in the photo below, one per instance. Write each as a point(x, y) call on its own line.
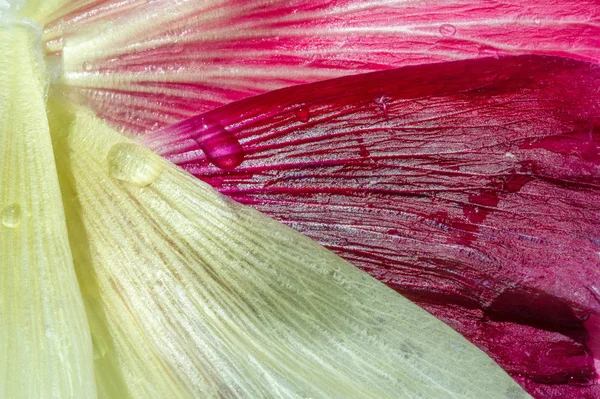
point(146, 64)
point(472, 187)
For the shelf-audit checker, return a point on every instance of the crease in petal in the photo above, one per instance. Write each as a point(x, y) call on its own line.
point(471, 187)
point(203, 297)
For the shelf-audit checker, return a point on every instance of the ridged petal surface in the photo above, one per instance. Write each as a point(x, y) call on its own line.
point(204, 297)
point(45, 346)
point(145, 64)
point(472, 187)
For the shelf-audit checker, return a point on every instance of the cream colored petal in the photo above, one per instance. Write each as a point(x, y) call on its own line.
point(45, 346)
point(200, 297)
point(42, 11)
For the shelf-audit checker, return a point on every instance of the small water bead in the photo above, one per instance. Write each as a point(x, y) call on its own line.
point(220, 146)
point(447, 30)
point(134, 164)
point(87, 66)
point(303, 114)
point(11, 216)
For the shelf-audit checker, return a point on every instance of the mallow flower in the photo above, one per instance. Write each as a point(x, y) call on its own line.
point(469, 186)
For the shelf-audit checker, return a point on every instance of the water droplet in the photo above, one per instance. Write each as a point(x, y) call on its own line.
point(87, 66)
point(133, 163)
point(537, 21)
point(447, 30)
point(303, 115)
point(220, 146)
point(11, 216)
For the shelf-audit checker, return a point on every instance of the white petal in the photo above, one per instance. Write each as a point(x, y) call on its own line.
point(45, 346)
point(198, 296)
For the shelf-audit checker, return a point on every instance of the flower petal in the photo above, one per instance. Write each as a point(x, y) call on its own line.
point(203, 297)
point(144, 65)
point(472, 187)
point(45, 345)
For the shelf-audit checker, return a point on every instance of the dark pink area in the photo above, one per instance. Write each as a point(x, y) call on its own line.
point(471, 187)
point(593, 327)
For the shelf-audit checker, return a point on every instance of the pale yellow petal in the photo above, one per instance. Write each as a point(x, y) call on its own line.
point(45, 346)
point(200, 297)
point(42, 11)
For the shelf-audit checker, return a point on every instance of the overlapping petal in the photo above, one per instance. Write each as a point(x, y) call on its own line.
point(45, 348)
point(472, 187)
point(146, 64)
point(194, 296)
point(490, 224)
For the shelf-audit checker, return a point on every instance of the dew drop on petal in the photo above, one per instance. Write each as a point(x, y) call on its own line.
point(87, 66)
point(220, 146)
point(447, 30)
point(303, 114)
point(11, 216)
point(134, 164)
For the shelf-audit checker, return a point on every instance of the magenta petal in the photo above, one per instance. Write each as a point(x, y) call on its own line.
point(195, 56)
point(472, 187)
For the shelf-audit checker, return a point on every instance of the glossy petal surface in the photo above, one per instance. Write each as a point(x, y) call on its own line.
point(472, 187)
point(146, 64)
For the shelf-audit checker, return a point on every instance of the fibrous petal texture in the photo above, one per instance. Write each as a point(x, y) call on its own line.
point(472, 187)
point(198, 296)
point(146, 64)
point(45, 347)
